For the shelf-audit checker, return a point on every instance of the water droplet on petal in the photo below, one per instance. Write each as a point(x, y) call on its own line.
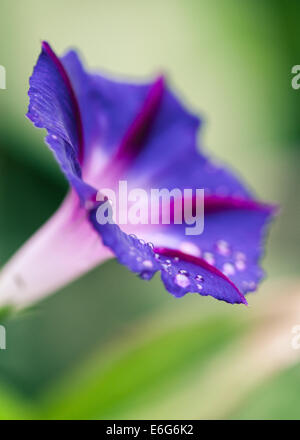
point(240, 265)
point(249, 284)
point(132, 250)
point(148, 264)
point(190, 248)
point(166, 267)
point(223, 248)
point(157, 256)
point(176, 259)
point(199, 287)
point(168, 261)
point(182, 280)
point(142, 241)
point(228, 269)
point(146, 275)
point(240, 256)
point(209, 258)
point(183, 272)
point(199, 278)
point(151, 245)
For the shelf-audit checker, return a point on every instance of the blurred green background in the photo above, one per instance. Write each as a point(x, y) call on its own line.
point(110, 345)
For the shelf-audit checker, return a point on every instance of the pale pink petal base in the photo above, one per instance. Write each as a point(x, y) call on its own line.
point(60, 251)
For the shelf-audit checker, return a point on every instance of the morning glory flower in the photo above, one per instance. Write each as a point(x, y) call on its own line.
point(103, 131)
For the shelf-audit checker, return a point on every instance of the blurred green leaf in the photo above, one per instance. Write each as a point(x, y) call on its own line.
point(278, 398)
point(6, 312)
point(13, 407)
point(142, 374)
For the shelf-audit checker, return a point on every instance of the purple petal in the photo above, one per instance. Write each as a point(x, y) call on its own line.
point(135, 123)
point(181, 273)
point(108, 107)
point(134, 253)
point(92, 120)
point(136, 136)
point(190, 169)
point(115, 119)
point(232, 240)
point(53, 106)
